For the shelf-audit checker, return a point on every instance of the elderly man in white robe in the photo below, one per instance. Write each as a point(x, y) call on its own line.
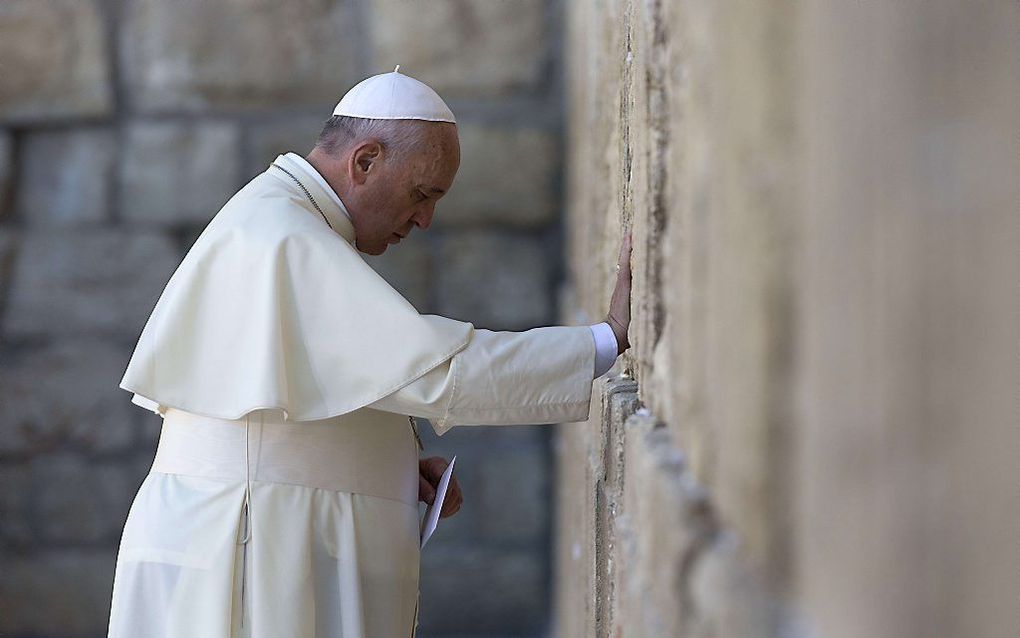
point(283, 497)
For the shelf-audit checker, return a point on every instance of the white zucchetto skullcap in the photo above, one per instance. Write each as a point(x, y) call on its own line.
point(394, 96)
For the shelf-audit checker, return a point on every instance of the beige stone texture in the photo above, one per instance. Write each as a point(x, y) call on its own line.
point(247, 54)
point(292, 133)
point(53, 60)
point(66, 177)
point(175, 173)
point(506, 178)
point(825, 218)
point(499, 282)
point(461, 48)
point(86, 282)
point(908, 358)
point(61, 396)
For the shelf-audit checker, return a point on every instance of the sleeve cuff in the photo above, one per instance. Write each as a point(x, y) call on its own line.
point(605, 347)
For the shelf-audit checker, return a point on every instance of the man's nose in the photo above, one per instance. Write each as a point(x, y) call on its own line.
point(424, 220)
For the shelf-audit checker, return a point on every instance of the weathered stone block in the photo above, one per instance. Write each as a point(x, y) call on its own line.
point(575, 505)
point(15, 506)
point(728, 598)
point(80, 501)
point(510, 494)
point(266, 140)
point(499, 282)
point(55, 60)
point(407, 267)
point(56, 592)
point(462, 48)
point(6, 170)
point(66, 393)
point(65, 177)
point(784, 301)
point(8, 246)
point(665, 523)
point(482, 591)
point(66, 283)
point(506, 177)
point(217, 55)
point(174, 173)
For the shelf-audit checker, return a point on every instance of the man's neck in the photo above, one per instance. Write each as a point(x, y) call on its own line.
point(330, 169)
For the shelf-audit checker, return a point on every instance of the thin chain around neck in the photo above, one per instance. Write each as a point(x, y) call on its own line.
point(310, 198)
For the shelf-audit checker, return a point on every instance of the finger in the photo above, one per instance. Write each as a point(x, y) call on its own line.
point(426, 493)
point(434, 468)
point(454, 498)
point(449, 509)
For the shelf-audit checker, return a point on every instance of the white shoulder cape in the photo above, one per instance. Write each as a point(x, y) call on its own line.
point(274, 307)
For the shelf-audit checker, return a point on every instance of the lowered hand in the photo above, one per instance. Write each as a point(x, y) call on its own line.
point(430, 471)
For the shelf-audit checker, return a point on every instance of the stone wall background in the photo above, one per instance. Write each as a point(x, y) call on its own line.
point(124, 126)
point(817, 431)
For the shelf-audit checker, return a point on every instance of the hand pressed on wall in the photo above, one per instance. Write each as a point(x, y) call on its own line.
point(618, 317)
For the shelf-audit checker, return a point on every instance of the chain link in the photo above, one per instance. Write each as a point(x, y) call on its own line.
point(310, 198)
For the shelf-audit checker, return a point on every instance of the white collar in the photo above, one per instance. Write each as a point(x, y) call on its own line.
point(319, 178)
point(318, 196)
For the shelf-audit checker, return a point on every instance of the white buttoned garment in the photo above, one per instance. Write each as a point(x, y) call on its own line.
point(282, 500)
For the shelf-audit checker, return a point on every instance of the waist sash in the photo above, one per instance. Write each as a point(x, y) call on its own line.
point(365, 451)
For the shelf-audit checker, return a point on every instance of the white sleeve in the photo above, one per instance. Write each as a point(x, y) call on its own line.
point(538, 376)
point(606, 347)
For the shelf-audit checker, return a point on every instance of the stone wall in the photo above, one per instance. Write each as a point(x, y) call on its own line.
point(124, 126)
point(815, 433)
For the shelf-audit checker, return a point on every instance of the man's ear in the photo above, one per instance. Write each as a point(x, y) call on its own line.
point(363, 160)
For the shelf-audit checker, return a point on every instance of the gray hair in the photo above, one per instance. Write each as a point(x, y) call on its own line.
point(400, 138)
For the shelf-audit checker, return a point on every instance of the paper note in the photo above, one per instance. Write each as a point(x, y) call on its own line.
point(431, 520)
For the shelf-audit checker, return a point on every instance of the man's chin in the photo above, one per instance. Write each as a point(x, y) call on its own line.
point(377, 249)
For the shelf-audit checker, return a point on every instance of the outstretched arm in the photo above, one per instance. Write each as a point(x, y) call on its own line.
point(542, 375)
point(537, 376)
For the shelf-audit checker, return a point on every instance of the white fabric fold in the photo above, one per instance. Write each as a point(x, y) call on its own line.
point(317, 176)
point(273, 307)
point(538, 376)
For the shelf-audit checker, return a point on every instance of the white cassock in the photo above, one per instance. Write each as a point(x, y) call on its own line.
point(282, 500)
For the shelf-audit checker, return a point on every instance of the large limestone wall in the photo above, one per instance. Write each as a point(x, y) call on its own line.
point(124, 126)
point(816, 433)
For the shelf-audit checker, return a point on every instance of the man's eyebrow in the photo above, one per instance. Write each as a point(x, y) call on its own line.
point(433, 189)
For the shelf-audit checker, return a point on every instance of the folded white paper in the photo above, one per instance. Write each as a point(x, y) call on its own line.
point(431, 519)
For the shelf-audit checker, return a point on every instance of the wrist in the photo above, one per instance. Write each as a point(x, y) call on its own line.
point(620, 332)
